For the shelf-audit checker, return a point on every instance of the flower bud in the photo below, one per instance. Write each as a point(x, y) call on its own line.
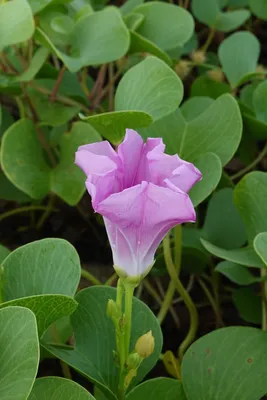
point(216, 75)
point(113, 310)
point(145, 345)
point(133, 361)
point(198, 57)
point(183, 69)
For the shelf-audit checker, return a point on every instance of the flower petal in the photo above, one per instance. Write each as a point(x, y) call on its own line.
point(130, 152)
point(184, 177)
point(139, 218)
point(152, 144)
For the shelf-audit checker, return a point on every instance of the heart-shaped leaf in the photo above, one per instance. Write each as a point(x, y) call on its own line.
point(166, 25)
point(158, 388)
point(22, 159)
point(239, 54)
point(47, 308)
point(19, 353)
point(250, 199)
point(47, 266)
point(16, 22)
point(112, 125)
point(95, 339)
point(230, 364)
point(138, 89)
point(139, 44)
point(67, 178)
point(260, 246)
point(225, 228)
point(54, 388)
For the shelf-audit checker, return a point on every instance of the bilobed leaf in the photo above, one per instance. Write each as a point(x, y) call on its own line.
point(229, 21)
point(158, 388)
point(23, 161)
point(47, 308)
point(139, 44)
point(230, 363)
point(133, 21)
point(250, 199)
point(243, 256)
point(236, 273)
point(112, 125)
point(259, 99)
point(10, 192)
point(95, 339)
point(67, 179)
point(260, 246)
point(207, 12)
point(239, 54)
point(195, 106)
point(223, 225)
point(204, 86)
point(16, 22)
point(19, 355)
point(47, 266)
point(166, 25)
point(139, 89)
point(91, 45)
point(248, 304)
point(54, 388)
point(211, 168)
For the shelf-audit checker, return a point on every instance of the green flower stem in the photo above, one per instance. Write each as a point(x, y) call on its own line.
point(129, 291)
point(120, 340)
point(219, 321)
point(167, 302)
point(91, 278)
point(185, 296)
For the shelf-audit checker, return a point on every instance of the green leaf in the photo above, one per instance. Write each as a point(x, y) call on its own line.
point(22, 159)
point(67, 179)
point(158, 388)
point(217, 130)
point(244, 256)
point(195, 106)
point(47, 266)
point(16, 22)
point(47, 308)
point(133, 21)
point(138, 87)
point(223, 225)
point(112, 125)
point(9, 192)
point(259, 8)
point(91, 45)
point(236, 273)
point(139, 44)
point(37, 61)
point(95, 339)
point(204, 86)
point(5, 121)
point(250, 199)
point(19, 353)
point(230, 363)
point(52, 113)
point(129, 6)
point(54, 388)
point(259, 101)
point(166, 25)
point(211, 168)
point(260, 246)
point(239, 54)
point(248, 304)
point(4, 252)
point(210, 14)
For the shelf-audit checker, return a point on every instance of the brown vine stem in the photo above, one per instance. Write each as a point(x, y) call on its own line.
point(55, 89)
point(209, 40)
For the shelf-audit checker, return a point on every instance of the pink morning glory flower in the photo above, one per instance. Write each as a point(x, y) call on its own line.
point(141, 192)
